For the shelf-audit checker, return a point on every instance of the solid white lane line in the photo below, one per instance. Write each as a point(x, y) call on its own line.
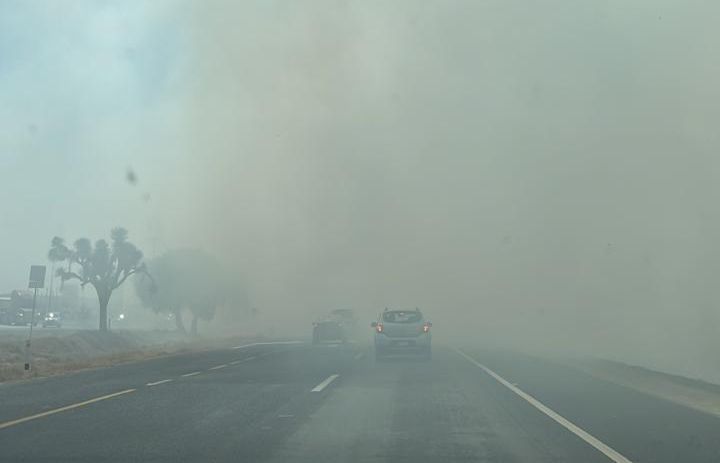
point(273, 343)
point(247, 359)
point(159, 382)
point(325, 383)
point(218, 367)
point(582, 434)
point(191, 374)
point(7, 424)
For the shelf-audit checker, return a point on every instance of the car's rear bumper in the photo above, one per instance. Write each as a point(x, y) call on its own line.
point(415, 343)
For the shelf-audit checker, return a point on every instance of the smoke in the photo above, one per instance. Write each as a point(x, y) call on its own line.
point(538, 175)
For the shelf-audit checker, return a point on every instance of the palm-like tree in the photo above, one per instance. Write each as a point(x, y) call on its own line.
point(103, 266)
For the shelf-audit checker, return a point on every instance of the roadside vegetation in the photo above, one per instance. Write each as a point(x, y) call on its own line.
point(105, 266)
point(184, 280)
point(66, 353)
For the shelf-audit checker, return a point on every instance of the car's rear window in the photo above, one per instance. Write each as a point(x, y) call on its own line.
point(397, 316)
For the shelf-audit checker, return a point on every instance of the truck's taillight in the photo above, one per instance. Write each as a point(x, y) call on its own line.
point(426, 328)
point(379, 328)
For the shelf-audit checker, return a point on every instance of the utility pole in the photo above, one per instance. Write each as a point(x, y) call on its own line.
point(37, 280)
point(52, 281)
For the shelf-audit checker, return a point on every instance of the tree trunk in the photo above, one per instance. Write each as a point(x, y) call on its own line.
point(179, 321)
point(193, 328)
point(50, 293)
point(103, 299)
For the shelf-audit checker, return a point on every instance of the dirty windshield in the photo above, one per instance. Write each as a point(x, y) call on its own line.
point(359, 231)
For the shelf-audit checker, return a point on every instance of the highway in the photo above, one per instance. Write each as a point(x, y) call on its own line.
point(289, 401)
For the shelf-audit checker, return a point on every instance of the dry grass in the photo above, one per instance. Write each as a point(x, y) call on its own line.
point(92, 349)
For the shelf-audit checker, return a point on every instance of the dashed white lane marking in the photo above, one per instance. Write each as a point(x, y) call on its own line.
point(358, 356)
point(159, 382)
point(247, 359)
point(286, 416)
point(191, 374)
point(325, 383)
point(267, 344)
point(218, 367)
point(582, 434)
point(7, 424)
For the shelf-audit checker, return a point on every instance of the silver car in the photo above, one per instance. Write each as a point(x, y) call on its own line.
point(402, 331)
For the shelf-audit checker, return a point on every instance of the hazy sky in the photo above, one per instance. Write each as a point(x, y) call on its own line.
point(539, 168)
point(88, 90)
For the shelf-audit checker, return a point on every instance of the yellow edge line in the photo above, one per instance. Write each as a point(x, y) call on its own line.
point(7, 424)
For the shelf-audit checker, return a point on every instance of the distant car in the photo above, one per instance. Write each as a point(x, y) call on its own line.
point(328, 331)
point(118, 321)
point(23, 317)
point(52, 319)
point(337, 326)
point(346, 316)
point(402, 331)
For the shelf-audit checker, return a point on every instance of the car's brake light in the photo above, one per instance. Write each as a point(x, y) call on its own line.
point(379, 328)
point(426, 328)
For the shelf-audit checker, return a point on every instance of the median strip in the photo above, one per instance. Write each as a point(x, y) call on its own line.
point(324, 384)
point(581, 433)
point(7, 424)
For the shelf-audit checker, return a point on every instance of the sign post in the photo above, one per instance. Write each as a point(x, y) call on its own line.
point(37, 280)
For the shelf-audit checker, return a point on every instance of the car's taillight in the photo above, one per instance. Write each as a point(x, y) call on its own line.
point(379, 328)
point(426, 328)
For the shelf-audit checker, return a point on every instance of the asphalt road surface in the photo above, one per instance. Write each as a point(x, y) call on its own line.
point(295, 402)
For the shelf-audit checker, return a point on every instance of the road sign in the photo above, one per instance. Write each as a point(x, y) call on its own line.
point(37, 280)
point(37, 276)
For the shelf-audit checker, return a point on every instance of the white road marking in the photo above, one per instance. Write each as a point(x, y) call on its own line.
point(582, 434)
point(7, 424)
point(267, 344)
point(218, 367)
point(159, 382)
point(191, 374)
point(247, 359)
point(358, 356)
point(286, 416)
point(325, 383)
